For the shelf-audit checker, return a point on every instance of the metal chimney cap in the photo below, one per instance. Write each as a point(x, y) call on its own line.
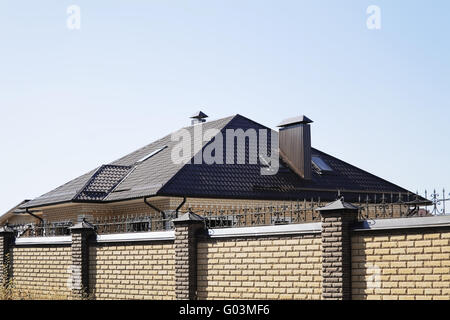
point(295, 120)
point(199, 115)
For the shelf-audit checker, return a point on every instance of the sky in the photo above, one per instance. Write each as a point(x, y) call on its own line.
point(73, 99)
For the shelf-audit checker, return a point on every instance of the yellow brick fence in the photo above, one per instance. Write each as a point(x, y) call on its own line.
point(407, 265)
point(337, 258)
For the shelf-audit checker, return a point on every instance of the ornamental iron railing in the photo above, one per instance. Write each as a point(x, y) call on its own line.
point(132, 223)
point(259, 215)
point(413, 205)
point(373, 206)
point(44, 229)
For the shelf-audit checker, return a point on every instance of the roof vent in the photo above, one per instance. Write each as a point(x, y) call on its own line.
point(198, 117)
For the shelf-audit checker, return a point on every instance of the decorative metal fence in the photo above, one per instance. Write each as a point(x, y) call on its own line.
point(413, 205)
point(381, 206)
point(374, 206)
point(246, 216)
point(42, 229)
point(131, 223)
point(438, 201)
point(102, 225)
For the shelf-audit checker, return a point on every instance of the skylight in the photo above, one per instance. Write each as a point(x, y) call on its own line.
point(320, 164)
point(148, 156)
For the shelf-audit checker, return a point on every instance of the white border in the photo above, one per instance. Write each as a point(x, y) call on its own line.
point(367, 225)
point(44, 240)
point(138, 236)
point(266, 230)
point(403, 223)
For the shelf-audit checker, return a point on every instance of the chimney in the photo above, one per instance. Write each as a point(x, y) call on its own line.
point(295, 145)
point(198, 117)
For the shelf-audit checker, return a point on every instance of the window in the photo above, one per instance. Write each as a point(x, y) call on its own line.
point(148, 156)
point(320, 165)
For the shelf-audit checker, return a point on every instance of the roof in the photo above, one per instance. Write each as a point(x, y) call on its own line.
point(144, 179)
point(127, 178)
point(245, 181)
point(13, 211)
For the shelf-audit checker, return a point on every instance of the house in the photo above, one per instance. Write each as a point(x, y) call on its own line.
point(16, 215)
point(150, 182)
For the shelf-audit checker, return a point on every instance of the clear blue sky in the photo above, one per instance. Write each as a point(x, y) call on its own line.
point(73, 100)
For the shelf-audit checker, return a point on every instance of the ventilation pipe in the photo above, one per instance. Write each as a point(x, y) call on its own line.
point(295, 145)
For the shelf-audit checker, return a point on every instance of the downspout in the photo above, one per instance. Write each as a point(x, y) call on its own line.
point(35, 216)
point(163, 214)
point(179, 207)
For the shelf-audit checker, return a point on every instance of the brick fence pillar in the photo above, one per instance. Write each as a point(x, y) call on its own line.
point(187, 227)
point(6, 241)
point(81, 235)
point(337, 219)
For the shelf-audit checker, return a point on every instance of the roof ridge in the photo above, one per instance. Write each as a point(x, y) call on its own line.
point(203, 146)
point(205, 123)
point(166, 136)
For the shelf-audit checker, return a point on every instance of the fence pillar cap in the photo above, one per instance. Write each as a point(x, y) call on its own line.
point(338, 205)
point(83, 225)
point(189, 217)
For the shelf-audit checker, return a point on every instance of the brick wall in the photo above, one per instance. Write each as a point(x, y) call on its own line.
point(42, 272)
point(73, 211)
point(132, 271)
point(401, 265)
point(389, 260)
point(260, 268)
point(20, 219)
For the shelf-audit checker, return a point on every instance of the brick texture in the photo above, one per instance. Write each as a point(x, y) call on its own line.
point(186, 259)
point(401, 266)
point(336, 254)
point(42, 272)
point(6, 239)
point(80, 261)
point(132, 271)
point(260, 268)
